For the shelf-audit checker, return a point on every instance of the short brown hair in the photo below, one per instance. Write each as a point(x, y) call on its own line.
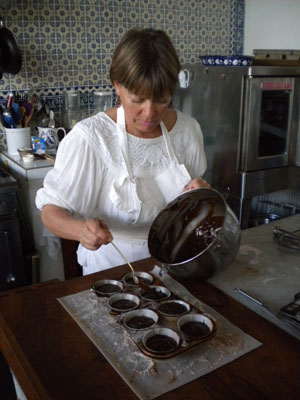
point(145, 62)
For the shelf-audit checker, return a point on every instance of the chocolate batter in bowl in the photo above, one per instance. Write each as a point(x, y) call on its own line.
point(196, 236)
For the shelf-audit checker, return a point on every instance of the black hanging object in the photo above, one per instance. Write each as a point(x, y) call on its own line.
point(10, 52)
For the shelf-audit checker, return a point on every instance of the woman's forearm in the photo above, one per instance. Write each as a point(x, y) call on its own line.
point(91, 233)
point(62, 223)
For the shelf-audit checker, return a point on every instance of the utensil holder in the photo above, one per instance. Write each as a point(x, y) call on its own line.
point(18, 137)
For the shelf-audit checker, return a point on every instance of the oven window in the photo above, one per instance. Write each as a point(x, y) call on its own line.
point(273, 133)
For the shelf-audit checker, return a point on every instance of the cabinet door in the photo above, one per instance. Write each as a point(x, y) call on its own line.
point(12, 272)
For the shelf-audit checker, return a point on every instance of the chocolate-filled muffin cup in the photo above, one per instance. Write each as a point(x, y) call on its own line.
point(155, 293)
point(140, 319)
point(195, 326)
point(144, 277)
point(107, 287)
point(123, 302)
point(173, 308)
point(161, 340)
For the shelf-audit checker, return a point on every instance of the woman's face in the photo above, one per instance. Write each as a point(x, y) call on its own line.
point(142, 115)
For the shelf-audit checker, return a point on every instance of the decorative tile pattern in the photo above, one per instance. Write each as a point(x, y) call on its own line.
point(68, 44)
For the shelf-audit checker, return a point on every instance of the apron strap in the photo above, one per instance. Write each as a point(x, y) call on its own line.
point(123, 140)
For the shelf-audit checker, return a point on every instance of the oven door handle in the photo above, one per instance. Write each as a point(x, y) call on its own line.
point(10, 275)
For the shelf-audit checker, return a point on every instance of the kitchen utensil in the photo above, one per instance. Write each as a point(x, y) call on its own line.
point(51, 123)
point(290, 240)
point(8, 118)
point(10, 53)
point(243, 293)
point(134, 277)
point(210, 247)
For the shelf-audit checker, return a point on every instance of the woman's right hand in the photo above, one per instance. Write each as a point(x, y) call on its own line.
point(94, 234)
point(91, 233)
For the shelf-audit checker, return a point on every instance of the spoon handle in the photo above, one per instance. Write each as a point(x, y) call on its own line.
point(124, 258)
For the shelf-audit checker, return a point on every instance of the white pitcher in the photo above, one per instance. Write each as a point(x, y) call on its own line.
point(50, 136)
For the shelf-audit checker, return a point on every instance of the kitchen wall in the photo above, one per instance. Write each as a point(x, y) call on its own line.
point(271, 24)
point(68, 44)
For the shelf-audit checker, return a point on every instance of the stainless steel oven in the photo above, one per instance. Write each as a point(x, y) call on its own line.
point(271, 122)
point(250, 121)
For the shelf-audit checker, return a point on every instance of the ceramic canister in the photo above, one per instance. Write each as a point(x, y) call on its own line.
point(16, 138)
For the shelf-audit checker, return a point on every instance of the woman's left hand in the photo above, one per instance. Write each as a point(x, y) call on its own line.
point(196, 183)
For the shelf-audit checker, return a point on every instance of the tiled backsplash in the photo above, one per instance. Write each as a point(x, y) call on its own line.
point(68, 44)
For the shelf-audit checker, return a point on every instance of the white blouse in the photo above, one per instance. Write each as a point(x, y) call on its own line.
point(90, 164)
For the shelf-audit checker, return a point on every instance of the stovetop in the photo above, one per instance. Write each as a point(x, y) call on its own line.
point(7, 180)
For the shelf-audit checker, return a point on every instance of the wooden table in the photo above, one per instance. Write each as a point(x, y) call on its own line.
point(52, 358)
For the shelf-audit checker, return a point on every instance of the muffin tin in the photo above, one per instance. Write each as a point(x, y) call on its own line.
point(161, 324)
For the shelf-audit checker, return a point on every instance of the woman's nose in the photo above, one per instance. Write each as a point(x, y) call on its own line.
point(149, 108)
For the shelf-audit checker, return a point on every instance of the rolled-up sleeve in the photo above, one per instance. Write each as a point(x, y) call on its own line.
point(74, 181)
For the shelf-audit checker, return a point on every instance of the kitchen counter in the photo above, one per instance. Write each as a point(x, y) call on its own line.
point(265, 270)
point(36, 169)
point(52, 358)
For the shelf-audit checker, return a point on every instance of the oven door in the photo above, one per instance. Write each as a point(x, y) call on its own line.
point(269, 123)
point(12, 272)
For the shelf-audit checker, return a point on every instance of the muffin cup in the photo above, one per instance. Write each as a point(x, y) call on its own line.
point(140, 319)
point(107, 287)
point(146, 278)
point(173, 308)
point(156, 293)
point(195, 326)
point(161, 340)
point(123, 302)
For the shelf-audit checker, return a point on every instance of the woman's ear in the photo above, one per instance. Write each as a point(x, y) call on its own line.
point(117, 87)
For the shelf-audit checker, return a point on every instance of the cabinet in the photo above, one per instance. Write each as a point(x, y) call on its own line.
point(30, 177)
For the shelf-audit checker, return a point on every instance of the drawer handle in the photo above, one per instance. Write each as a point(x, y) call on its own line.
point(10, 275)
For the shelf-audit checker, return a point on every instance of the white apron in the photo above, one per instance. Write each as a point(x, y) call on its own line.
point(142, 199)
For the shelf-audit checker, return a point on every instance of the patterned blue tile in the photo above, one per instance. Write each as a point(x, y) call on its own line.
point(67, 44)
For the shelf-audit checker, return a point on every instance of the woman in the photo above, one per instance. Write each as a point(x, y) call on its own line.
point(116, 170)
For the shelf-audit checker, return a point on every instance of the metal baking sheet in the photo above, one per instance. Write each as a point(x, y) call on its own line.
point(148, 377)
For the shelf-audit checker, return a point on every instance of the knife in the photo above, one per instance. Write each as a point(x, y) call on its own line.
point(248, 296)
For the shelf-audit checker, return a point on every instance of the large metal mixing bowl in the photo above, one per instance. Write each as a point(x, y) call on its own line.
point(196, 236)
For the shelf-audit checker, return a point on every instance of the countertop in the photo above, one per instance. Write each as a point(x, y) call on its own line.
point(36, 169)
point(265, 270)
point(52, 358)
